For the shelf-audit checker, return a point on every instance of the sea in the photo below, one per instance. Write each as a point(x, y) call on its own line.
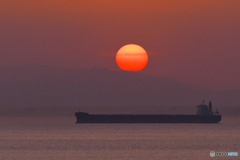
point(60, 138)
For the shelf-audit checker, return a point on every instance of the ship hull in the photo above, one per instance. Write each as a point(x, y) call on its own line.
point(101, 118)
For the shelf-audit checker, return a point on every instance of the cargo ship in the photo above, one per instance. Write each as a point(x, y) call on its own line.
point(204, 115)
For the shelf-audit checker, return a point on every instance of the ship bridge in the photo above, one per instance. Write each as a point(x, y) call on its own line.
point(203, 109)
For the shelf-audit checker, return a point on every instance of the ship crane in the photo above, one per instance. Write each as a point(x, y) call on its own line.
point(217, 112)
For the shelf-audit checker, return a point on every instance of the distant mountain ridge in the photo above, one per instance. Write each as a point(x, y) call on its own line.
point(47, 86)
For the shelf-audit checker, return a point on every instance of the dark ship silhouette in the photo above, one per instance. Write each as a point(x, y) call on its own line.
point(204, 115)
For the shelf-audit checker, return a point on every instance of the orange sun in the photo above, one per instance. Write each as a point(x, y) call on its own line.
point(131, 57)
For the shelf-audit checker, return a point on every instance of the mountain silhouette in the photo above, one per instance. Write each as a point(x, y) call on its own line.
point(47, 86)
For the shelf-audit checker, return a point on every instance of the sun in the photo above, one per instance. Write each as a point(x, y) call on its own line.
point(131, 57)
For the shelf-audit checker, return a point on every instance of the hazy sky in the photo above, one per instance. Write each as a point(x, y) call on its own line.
point(197, 41)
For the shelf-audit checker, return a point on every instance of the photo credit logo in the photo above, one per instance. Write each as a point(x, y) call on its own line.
point(212, 154)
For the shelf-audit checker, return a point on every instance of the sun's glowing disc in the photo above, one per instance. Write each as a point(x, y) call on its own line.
point(131, 57)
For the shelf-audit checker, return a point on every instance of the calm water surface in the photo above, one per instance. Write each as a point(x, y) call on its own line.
point(59, 138)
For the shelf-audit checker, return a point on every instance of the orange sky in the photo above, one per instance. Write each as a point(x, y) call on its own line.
point(194, 41)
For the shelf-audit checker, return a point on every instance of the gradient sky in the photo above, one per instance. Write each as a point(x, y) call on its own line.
point(196, 41)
